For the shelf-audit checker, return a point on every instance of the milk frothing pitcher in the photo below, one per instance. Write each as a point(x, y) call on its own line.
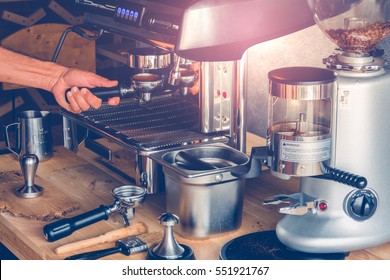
point(33, 135)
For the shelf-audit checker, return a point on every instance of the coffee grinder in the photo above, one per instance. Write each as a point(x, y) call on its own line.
point(335, 210)
point(329, 128)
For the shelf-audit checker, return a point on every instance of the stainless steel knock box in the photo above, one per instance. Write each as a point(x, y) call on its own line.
point(202, 189)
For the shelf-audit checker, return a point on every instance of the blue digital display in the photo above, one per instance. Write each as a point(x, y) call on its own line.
point(129, 13)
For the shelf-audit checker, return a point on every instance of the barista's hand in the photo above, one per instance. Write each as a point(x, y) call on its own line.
point(80, 99)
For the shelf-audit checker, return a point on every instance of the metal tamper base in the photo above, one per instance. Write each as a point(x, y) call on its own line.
point(168, 248)
point(29, 165)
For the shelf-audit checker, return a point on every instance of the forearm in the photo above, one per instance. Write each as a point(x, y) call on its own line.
point(23, 70)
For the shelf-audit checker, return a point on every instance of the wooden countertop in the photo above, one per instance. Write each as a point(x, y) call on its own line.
point(91, 187)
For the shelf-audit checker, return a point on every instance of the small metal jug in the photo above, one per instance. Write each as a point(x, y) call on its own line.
point(33, 135)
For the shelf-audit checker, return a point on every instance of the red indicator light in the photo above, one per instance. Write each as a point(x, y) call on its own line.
point(218, 92)
point(323, 206)
point(224, 94)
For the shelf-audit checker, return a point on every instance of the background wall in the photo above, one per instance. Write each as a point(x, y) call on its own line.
point(304, 48)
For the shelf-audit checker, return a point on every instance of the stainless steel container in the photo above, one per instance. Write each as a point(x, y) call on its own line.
point(33, 135)
point(208, 201)
point(149, 59)
point(299, 119)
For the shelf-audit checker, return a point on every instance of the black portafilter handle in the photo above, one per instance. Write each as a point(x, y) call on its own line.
point(344, 177)
point(121, 90)
point(65, 227)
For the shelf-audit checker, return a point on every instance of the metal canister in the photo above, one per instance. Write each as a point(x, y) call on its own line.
point(299, 120)
point(149, 59)
point(208, 200)
point(33, 134)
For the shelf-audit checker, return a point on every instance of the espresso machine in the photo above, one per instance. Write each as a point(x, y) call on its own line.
point(198, 48)
point(328, 127)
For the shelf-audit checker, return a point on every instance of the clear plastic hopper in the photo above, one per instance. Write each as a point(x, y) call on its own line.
point(299, 120)
point(356, 26)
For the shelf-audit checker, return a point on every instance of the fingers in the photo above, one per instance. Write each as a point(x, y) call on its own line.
point(109, 83)
point(114, 101)
point(82, 100)
point(99, 81)
point(92, 100)
point(72, 106)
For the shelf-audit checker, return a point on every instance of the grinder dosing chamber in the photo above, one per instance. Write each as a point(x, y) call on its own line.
point(299, 119)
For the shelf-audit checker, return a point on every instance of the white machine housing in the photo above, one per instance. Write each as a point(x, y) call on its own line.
point(349, 218)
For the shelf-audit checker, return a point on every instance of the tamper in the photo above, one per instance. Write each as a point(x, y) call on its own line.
point(168, 248)
point(29, 165)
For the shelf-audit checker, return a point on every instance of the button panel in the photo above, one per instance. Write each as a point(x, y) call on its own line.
point(129, 13)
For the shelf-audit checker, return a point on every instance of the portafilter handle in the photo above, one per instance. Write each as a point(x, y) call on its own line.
point(125, 197)
point(142, 85)
point(65, 227)
point(121, 90)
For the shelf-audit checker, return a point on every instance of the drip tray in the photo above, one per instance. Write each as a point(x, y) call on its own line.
point(264, 245)
point(163, 122)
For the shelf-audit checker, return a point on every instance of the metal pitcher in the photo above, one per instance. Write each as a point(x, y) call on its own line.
point(33, 135)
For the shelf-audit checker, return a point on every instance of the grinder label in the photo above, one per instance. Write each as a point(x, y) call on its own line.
point(294, 151)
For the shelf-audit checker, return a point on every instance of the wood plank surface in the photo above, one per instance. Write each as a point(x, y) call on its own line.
point(92, 187)
point(54, 204)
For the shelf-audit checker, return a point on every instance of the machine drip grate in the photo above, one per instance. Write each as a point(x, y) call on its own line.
point(163, 122)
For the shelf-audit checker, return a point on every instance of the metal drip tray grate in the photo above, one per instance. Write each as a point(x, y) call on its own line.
point(163, 122)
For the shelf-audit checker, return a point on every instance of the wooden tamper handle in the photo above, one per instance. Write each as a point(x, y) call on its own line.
point(132, 230)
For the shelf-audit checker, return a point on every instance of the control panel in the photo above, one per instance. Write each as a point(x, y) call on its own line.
point(129, 13)
point(144, 20)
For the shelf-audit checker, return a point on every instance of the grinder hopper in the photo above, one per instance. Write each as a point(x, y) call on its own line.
point(356, 27)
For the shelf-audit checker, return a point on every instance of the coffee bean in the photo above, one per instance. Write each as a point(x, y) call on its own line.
point(362, 39)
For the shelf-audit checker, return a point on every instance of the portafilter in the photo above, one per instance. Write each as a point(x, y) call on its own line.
point(127, 197)
point(142, 85)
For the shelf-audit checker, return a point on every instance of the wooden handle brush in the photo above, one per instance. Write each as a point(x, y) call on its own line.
point(132, 230)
